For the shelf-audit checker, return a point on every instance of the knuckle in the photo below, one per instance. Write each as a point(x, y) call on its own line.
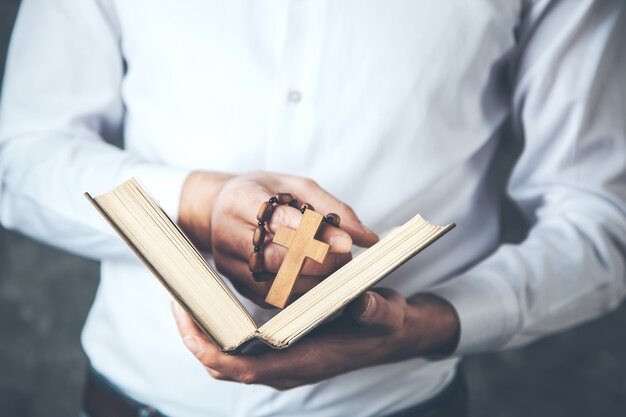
point(346, 209)
point(342, 260)
point(308, 182)
point(272, 257)
point(400, 321)
point(271, 252)
point(398, 299)
point(204, 359)
point(220, 264)
point(383, 312)
point(215, 374)
point(218, 236)
point(213, 361)
point(279, 216)
point(228, 201)
point(250, 376)
point(269, 256)
point(244, 247)
point(228, 266)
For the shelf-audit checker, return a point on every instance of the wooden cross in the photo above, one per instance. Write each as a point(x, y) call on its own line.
point(301, 244)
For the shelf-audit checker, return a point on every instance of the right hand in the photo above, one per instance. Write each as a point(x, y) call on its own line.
point(218, 212)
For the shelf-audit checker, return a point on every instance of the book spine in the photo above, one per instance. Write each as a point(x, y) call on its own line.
point(147, 263)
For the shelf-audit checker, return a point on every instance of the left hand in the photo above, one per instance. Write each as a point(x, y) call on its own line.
point(381, 327)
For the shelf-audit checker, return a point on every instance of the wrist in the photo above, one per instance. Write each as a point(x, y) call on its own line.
point(200, 190)
point(434, 325)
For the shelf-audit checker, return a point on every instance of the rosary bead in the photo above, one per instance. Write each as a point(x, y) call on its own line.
point(306, 206)
point(255, 264)
point(259, 236)
point(283, 198)
point(333, 219)
point(265, 212)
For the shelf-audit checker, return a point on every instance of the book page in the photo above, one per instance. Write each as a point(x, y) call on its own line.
point(169, 254)
point(351, 280)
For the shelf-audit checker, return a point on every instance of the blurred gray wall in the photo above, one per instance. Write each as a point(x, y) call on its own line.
point(45, 295)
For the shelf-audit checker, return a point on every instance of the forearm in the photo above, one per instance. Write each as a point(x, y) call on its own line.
point(42, 195)
point(568, 181)
point(564, 273)
point(59, 112)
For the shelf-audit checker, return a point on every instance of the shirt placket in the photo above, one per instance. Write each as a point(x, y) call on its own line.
point(300, 44)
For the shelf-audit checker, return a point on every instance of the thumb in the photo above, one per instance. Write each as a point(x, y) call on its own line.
point(383, 308)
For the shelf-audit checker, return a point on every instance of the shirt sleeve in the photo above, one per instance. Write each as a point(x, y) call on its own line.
point(61, 109)
point(569, 106)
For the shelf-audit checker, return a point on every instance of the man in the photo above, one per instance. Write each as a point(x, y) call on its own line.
point(390, 108)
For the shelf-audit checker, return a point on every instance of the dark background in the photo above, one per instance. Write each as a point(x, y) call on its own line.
point(45, 295)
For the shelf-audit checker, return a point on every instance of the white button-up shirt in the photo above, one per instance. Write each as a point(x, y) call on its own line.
point(396, 107)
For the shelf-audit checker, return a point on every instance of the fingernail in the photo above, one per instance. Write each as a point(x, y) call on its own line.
point(370, 308)
point(192, 344)
point(340, 243)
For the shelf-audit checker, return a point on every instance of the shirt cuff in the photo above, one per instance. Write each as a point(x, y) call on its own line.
point(487, 308)
point(163, 183)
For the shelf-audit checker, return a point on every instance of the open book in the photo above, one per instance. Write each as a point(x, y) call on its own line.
point(198, 288)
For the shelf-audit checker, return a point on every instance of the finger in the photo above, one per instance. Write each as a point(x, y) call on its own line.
point(281, 370)
point(218, 375)
point(241, 277)
point(325, 202)
point(383, 307)
point(234, 236)
point(339, 240)
point(237, 270)
point(184, 323)
point(274, 256)
point(217, 363)
point(244, 205)
point(195, 341)
point(303, 285)
point(258, 299)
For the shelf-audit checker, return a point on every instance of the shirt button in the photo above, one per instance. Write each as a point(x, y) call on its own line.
point(294, 96)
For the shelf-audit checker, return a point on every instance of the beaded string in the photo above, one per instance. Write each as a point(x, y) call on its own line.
point(255, 263)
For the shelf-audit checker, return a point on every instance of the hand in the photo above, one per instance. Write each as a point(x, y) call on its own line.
point(218, 212)
point(380, 327)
